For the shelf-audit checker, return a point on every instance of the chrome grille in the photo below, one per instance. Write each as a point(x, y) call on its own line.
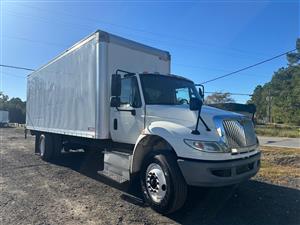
point(239, 133)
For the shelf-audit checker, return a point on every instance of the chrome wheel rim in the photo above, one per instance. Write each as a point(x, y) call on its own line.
point(42, 146)
point(156, 182)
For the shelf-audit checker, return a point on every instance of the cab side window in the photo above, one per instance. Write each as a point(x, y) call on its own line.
point(130, 94)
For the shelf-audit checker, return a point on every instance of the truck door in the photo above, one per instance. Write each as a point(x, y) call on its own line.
point(127, 121)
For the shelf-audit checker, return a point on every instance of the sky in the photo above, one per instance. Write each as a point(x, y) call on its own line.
point(206, 39)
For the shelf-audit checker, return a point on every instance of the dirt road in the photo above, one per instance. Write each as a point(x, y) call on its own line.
point(68, 191)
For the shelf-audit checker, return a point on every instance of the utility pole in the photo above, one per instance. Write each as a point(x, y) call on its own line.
point(269, 100)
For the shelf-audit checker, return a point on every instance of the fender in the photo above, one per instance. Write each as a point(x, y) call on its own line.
point(162, 132)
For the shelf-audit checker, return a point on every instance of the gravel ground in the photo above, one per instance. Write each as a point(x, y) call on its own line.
point(68, 191)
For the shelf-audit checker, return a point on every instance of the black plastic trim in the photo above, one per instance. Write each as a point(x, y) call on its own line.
point(219, 161)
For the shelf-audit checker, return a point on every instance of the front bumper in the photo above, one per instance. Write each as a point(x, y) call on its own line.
point(219, 173)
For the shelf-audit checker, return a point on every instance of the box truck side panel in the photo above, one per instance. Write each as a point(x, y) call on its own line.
point(133, 60)
point(70, 95)
point(61, 96)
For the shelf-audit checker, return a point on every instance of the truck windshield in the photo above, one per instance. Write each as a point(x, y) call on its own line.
point(167, 90)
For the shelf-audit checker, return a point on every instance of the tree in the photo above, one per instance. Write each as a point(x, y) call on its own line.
point(219, 97)
point(3, 97)
point(15, 106)
point(3, 100)
point(281, 96)
point(294, 58)
point(17, 110)
point(258, 98)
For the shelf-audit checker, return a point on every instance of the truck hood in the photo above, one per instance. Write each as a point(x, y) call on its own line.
point(181, 115)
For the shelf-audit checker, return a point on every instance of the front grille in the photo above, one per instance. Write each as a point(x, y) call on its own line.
point(239, 133)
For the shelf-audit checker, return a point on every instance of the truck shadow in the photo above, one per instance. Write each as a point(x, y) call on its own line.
point(88, 164)
point(252, 202)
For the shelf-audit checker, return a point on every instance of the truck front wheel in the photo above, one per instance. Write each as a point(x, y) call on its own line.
point(46, 147)
point(163, 185)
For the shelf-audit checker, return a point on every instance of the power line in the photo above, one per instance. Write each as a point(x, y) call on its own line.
point(207, 92)
point(85, 26)
point(176, 64)
point(217, 47)
point(248, 67)
point(35, 41)
point(216, 78)
point(135, 29)
point(67, 25)
point(16, 67)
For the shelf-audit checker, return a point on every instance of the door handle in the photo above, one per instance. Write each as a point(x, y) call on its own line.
point(133, 111)
point(115, 124)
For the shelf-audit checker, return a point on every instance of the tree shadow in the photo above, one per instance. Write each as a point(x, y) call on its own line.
point(252, 202)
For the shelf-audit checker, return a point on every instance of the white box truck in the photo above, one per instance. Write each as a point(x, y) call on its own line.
point(4, 118)
point(117, 96)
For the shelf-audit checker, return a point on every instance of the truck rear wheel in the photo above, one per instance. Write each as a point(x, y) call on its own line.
point(46, 147)
point(37, 144)
point(163, 185)
point(57, 145)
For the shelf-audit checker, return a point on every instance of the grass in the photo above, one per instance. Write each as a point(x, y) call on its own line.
point(280, 166)
point(275, 131)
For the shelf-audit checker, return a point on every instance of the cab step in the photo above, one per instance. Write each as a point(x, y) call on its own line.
point(116, 166)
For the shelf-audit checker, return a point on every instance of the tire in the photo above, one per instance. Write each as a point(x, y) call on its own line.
point(163, 185)
point(37, 144)
point(57, 145)
point(46, 147)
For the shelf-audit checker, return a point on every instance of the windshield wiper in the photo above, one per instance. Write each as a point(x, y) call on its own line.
point(196, 131)
point(197, 104)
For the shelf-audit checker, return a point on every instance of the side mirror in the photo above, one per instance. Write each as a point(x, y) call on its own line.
point(115, 85)
point(195, 104)
point(201, 91)
point(115, 101)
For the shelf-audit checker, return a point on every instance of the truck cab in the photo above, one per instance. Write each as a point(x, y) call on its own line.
point(157, 114)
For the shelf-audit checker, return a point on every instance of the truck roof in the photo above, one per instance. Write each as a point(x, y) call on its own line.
point(172, 75)
point(104, 36)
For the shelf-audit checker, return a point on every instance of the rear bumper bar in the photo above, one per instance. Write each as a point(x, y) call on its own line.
point(219, 173)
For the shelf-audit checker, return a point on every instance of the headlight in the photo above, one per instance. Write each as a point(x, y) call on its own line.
point(206, 146)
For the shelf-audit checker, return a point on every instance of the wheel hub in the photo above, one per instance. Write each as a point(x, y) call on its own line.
point(152, 180)
point(42, 147)
point(156, 182)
